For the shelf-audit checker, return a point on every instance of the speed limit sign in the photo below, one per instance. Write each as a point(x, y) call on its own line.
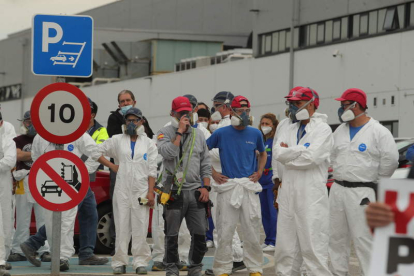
point(60, 113)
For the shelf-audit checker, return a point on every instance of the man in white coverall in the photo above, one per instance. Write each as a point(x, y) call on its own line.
point(238, 189)
point(364, 151)
point(303, 221)
point(84, 145)
point(7, 162)
point(221, 103)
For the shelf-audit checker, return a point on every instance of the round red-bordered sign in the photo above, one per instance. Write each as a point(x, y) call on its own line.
point(56, 182)
point(54, 128)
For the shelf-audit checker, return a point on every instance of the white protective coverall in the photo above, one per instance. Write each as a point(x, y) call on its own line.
point(131, 218)
point(215, 162)
point(84, 145)
point(278, 167)
point(238, 200)
point(372, 154)
point(303, 220)
point(24, 205)
point(157, 226)
point(7, 163)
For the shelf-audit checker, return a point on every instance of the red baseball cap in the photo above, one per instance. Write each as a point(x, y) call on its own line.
point(181, 104)
point(293, 90)
point(305, 94)
point(354, 95)
point(236, 102)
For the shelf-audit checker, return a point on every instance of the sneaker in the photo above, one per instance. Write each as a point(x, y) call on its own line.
point(94, 260)
point(3, 271)
point(64, 265)
point(210, 244)
point(264, 245)
point(269, 248)
point(120, 270)
point(30, 254)
point(209, 272)
point(182, 266)
point(16, 257)
point(141, 270)
point(238, 266)
point(158, 266)
point(46, 257)
point(8, 266)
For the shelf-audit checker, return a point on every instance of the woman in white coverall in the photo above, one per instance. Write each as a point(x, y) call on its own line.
point(303, 221)
point(7, 162)
point(136, 174)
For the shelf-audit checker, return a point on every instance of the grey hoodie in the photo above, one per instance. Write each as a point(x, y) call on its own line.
point(200, 164)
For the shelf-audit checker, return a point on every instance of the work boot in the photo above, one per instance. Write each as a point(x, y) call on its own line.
point(64, 265)
point(238, 266)
point(8, 266)
point(3, 271)
point(141, 270)
point(158, 266)
point(209, 272)
point(16, 257)
point(182, 266)
point(46, 257)
point(119, 269)
point(30, 254)
point(255, 274)
point(94, 260)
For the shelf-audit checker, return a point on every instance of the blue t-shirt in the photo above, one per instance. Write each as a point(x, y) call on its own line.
point(266, 179)
point(132, 149)
point(237, 150)
point(301, 133)
point(354, 130)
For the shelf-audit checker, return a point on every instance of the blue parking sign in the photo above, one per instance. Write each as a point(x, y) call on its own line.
point(62, 45)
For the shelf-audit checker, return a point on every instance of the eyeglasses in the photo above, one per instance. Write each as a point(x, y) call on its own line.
point(345, 105)
point(241, 110)
point(133, 120)
point(217, 106)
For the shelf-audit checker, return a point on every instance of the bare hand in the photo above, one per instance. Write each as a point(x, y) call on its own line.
point(151, 200)
point(114, 168)
point(204, 195)
point(277, 184)
point(184, 124)
point(283, 145)
point(219, 178)
point(255, 177)
point(379, 214)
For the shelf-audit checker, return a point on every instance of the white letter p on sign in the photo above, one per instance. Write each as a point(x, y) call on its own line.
point(46, 40)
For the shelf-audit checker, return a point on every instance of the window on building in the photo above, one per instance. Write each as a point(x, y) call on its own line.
point(282, 41)
point(375, 101)
point(296, 38)
point(303, 35)
point(268, 47)
point(381, 19)
point(275, 42)
point(321, 33)
point(391, 126)
point(401, 15)
point(373, 17)
point(391, 21)
point(328, 31)
point(363, 24)
point(312, 34)
point(392, 100)
point(193, 64)
point(355, 25)
point(412, 14)
point(344, 28)
point(177, 67)
point(336, 35)
point(288, 40)
point(384, 101)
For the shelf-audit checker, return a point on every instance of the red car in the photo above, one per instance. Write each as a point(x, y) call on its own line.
point(104, 205)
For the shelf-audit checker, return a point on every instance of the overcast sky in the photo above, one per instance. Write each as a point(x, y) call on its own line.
point(16, 15)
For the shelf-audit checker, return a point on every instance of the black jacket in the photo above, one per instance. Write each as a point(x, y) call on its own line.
point(116, 120)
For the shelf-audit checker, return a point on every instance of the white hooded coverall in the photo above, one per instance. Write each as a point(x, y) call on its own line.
point(303, 221)
point(84, 145)
point(7, 163)
point(131, 218)
point(372, 154)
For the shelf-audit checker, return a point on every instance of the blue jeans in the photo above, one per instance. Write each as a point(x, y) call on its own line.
point(209, 233)
point(88, 221)
point(269, 216)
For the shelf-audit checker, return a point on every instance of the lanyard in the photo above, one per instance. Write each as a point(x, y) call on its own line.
point(180, 184)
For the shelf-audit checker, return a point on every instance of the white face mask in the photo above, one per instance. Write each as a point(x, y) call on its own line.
point(174, 122)
point(302, 115)
point(141, 130)
point(266, 130)
point(213, 127)
point(204, 124)
point(23, 130)
point(235, 121)
point(216, 116)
